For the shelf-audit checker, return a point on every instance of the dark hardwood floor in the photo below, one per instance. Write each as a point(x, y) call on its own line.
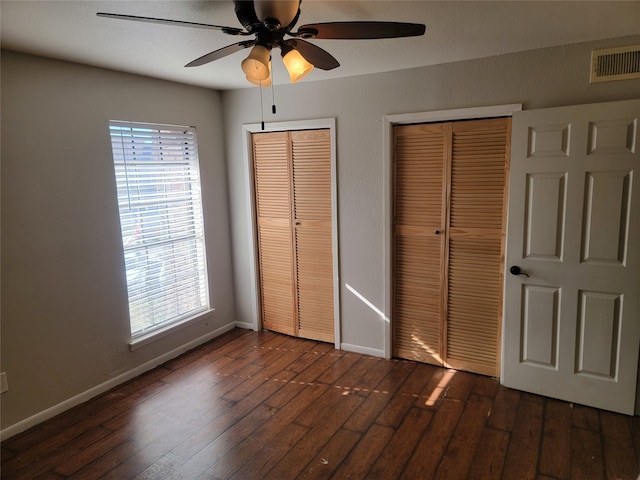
point(253, 405)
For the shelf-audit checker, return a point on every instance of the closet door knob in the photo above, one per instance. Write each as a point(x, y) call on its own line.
point(437, 232)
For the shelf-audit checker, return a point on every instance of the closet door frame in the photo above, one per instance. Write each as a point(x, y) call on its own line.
point(389, 121)
point(250, 206)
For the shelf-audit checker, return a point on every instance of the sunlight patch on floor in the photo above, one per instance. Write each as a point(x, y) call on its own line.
point(440, 388)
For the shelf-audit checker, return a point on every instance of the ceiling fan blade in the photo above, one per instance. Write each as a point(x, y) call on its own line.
point(221, 52)
point(315, 55)
point(180, 23)
point(360, 30)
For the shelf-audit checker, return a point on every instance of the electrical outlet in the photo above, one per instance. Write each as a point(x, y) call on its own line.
point(4, 385)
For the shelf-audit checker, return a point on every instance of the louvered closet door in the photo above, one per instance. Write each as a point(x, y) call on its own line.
point(295, 242)
point(421, 153)
point(271, 154)
point(448, 242)
point(476, 244)
point(311, 155)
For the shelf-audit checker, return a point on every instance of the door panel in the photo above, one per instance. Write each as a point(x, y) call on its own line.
point(571, 326)
point(544, 215)
point(293, 204)
point(273, 208)
point(311, 179)
point(418, 298)
point(540, 325)
point(598, 330)
point(479, 166)
point(275, 276)
point(315, 281)
point(270, 153)
point(449, 192)
point(607, 198)
point(421, 158)
point(474, 304)
point(311, 164)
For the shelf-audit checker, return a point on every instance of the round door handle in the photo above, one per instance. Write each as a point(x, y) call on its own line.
point(437, 232)
point(515, 270)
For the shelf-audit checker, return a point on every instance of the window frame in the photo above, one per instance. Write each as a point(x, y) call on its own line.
point(182, 172)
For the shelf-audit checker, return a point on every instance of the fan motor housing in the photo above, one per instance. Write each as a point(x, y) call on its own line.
point(276, 14)
point(246, 15)
point(270, 15)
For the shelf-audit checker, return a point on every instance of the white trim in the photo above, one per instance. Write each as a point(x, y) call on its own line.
point(152, 336)
point(51, 412)
point(373, 352)
point(250, 207)
point(247, 130)
point(128, 138)
point(387, 150)
point(246, 325)
point(453, 115)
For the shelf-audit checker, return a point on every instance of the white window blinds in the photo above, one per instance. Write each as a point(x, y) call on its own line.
point(159, 198)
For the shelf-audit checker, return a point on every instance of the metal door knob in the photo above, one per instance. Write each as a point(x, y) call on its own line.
point(515, 270)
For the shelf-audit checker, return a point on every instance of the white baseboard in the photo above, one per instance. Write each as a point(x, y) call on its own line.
point(374, 352)
point(246, 326)
point(51, 412)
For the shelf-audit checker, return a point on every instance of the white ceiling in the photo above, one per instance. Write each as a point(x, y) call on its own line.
point(456, 30)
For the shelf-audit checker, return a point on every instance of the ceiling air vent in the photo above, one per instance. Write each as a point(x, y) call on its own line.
point(621, 63)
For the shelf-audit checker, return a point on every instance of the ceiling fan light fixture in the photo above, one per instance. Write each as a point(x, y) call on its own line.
point(256, 65)
point(297, 66)
point(269, 21)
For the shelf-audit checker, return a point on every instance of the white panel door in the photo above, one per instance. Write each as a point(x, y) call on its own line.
point(572, 317)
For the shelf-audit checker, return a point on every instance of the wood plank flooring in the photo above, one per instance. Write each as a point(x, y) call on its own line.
point(258, 405)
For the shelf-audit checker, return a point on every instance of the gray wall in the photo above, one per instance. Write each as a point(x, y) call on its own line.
point(64, 300)
point(537, 79)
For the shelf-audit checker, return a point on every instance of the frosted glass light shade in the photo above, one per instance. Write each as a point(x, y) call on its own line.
point(256, 65)
point(261, 83)
point(296, 64)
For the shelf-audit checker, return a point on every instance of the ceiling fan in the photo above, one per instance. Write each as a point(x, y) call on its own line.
point(269, 21)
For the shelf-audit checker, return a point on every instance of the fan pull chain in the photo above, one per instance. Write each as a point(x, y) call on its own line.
point(273, 100)
point(261, 108)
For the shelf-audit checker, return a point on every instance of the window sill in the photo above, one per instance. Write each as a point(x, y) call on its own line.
point(161, 332)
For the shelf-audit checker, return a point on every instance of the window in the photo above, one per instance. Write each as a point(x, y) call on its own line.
point(159, 198)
